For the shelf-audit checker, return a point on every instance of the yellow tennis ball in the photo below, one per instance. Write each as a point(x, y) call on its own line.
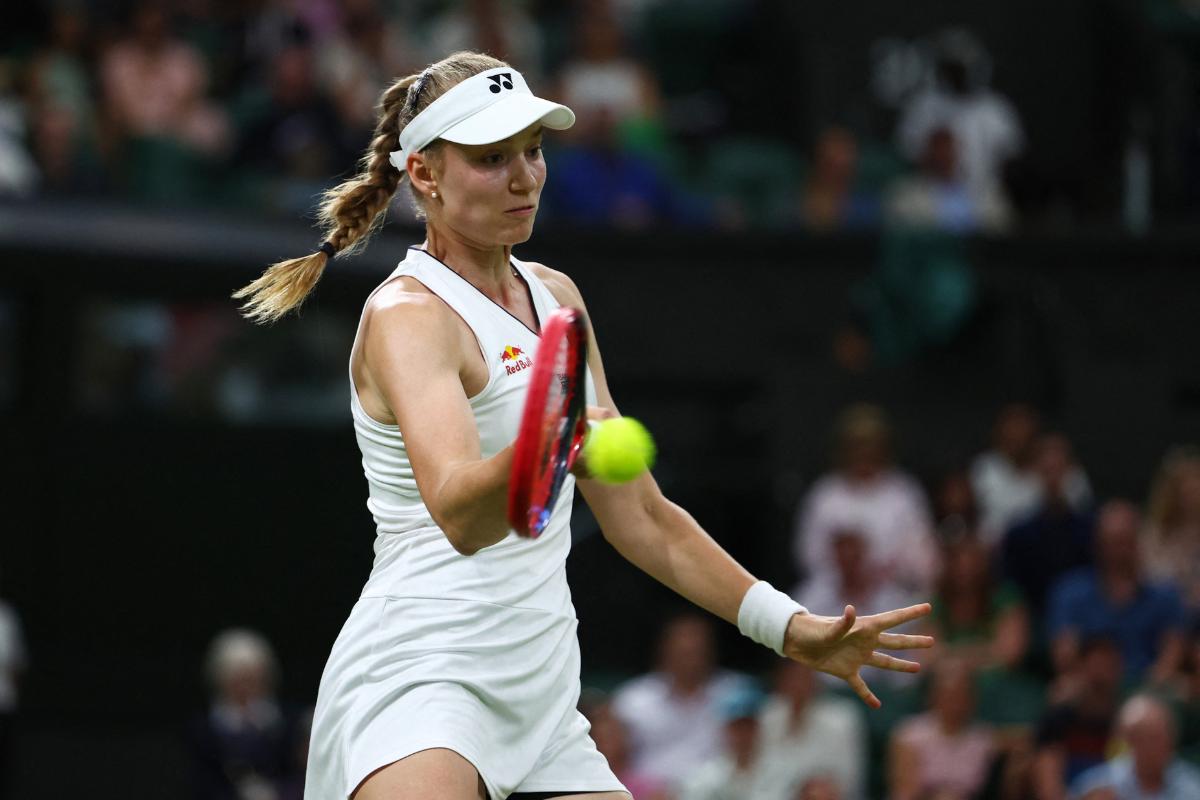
point(618, 450)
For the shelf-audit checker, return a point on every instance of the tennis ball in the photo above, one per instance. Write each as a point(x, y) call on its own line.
point(618, 450)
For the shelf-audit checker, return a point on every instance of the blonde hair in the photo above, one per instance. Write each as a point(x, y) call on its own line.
point(1164, 494)
point(351, 211)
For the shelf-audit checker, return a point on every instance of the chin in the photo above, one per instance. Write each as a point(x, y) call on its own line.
point(519, 234)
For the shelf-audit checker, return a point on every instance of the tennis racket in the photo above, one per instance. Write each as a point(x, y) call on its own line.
point(552, 424)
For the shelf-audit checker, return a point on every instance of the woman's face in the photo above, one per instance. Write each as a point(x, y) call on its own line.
point(489, 194)
point(1187, 488)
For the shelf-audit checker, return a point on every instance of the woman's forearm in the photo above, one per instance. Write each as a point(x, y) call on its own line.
point(471, 502)
point(668, 544)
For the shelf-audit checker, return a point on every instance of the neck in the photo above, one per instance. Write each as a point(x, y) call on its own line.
point(1150, 780)
point(485, 266)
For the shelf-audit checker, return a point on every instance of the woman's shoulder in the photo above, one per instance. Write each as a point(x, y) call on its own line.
point(405, 304)
point(559, 283)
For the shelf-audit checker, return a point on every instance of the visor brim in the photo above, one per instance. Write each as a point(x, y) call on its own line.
point(509, 117)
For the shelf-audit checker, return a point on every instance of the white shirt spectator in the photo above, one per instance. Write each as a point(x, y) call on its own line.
point(672, 735)
point(889, 511)
point(829, 739)
point(12, 657)
point(615, 87)
point(719, 779)
point(1007, 494)
point(984, 124)
point(1181, 781)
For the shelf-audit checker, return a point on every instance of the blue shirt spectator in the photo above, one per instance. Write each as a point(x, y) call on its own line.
point(1053, 539)
point(1146, 620)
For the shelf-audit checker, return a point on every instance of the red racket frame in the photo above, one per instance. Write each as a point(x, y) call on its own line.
point(538, 469)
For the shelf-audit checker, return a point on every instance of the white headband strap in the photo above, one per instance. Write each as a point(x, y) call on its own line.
point(460, 102)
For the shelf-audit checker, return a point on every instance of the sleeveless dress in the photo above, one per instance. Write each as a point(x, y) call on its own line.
point(476, 654)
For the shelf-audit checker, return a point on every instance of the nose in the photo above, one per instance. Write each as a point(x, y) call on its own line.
point(524, 177)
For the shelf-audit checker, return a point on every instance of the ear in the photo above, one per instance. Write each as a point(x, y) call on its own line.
point(421, 173)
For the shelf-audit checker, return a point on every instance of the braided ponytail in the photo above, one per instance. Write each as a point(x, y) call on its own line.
point(351, 211)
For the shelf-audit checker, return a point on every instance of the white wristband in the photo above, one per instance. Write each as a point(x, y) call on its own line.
point(765, 613)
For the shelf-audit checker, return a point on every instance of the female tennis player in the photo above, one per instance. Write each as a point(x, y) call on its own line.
point(457, 673)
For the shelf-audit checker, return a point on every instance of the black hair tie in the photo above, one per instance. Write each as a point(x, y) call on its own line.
point(328, 249)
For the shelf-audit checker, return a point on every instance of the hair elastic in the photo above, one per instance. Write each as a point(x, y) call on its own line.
point(328, 249)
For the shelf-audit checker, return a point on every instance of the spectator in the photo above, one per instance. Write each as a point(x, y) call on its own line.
point(983, 126)
point(956, 514)
point(975, 618)
point(1186, 696)
point(244, 746)
point(1151, 770)
point(672, 714)
point(869, 494)
point(612, 740)
point(738, 771)
point(830, 200)
point(1146, 619)
point(945, 752)
point(1073, 734)
point(603, 80)
point(500, 29)
point(63, 115)
point(1172, 535)
point(360, 60)
point(1056, 536)
point(18, 171)
point(938, 197)
point(598, 180)
point(154, 86)
point(1005, 478)
point(806, 737)
point(13, 662)
point(296, 135)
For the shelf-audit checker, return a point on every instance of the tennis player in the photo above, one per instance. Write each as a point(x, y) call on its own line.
point(457, 673)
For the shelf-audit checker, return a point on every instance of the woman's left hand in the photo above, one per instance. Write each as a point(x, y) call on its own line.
point(840, 646)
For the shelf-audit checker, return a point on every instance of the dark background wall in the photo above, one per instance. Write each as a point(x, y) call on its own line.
point(129, 537)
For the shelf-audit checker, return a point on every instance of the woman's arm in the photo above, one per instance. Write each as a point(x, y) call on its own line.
point(664, 541)
point(414, 360)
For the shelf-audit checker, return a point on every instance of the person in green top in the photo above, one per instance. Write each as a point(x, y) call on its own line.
point(977, 618)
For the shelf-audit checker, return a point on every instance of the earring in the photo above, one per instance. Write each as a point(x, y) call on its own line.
point(435, 195)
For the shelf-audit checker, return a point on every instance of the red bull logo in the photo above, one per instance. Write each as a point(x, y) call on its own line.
point(514, 359)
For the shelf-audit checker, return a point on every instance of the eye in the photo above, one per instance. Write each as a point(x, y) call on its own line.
point(535, 151)
point(493, 159)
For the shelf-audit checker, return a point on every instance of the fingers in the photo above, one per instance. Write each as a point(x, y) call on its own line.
point(884, 661)
point(600, 413)
point(861, 689)
point(843, 625)
point(904, 641)
point(890, 619)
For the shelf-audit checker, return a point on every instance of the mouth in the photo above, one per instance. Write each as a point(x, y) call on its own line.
point(521, 211)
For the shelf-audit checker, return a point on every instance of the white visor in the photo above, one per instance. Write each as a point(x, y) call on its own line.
point(484, 108)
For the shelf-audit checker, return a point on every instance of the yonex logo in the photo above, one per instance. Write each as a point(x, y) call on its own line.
point(504, 79)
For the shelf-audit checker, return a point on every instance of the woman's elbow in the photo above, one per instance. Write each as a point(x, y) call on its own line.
point(470, 536)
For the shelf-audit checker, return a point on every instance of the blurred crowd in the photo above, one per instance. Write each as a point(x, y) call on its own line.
point(1067, 663)
point(1068, 628)
point(262, 105)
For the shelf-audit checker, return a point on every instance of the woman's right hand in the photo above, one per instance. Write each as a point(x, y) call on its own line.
point(595, 415)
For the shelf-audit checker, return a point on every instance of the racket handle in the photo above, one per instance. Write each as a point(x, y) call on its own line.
point(581, 431)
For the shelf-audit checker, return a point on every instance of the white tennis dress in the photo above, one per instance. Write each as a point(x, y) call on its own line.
point(476, 654)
